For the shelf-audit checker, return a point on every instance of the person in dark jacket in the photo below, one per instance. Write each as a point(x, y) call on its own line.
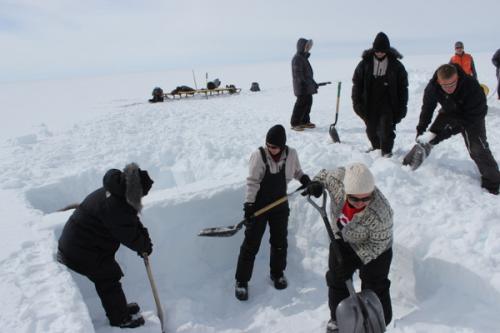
point(271, 169)
point(105, 219)
point(496, 62)
point(463, 109)
point(380, 93)
point(304, 86)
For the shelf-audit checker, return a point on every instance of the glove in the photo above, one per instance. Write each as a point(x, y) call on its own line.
point(148, 247)
point(314, 188)
point(249, 209)
point(305, 180)
point(148, 250)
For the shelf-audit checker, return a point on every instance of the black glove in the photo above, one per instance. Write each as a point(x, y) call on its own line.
point(314, 188)
point(305, 180)
point(148, 247)
point(249, 209)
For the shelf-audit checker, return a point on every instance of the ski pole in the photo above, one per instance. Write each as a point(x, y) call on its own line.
point(159, 309)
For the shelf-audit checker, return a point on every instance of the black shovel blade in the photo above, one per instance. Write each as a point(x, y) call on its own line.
point(333, 134)
point(361, 313)
point(220, 231)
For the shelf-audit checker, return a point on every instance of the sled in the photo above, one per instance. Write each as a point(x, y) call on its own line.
point(203, 92)
point(360, 312)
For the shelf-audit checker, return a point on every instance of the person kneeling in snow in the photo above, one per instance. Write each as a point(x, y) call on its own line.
point(463, 110)
point(271, 169)
point(105, 219)
point(363, 232)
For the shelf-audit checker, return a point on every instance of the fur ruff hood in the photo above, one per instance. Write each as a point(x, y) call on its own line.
point(393, 53)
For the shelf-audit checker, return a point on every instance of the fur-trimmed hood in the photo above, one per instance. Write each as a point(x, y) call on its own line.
point(393, 53)
point(131, 184)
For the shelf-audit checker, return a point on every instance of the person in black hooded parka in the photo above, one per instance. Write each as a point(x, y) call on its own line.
point(105, 219)
point(380, 93)
point(304, 86)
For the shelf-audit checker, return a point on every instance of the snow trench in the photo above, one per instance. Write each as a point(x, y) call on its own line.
point(195, 275)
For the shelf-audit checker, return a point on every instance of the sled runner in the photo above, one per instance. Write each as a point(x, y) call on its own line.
point(360, 312)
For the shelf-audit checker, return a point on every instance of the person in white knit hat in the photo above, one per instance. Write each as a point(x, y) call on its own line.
point(361, 220)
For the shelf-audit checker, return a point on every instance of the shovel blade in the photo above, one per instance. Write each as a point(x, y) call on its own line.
point(220, 231)
point(333, 134)
point(361, 313)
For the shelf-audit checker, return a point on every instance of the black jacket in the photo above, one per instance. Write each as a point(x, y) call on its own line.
point(302, 73)
point(496, 61)
point(397, 79)
point(467, 103)
point(102, 222)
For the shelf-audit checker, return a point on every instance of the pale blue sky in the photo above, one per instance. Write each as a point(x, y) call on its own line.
point(58, 39)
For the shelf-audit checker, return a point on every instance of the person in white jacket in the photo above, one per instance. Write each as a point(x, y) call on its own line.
point(271, 168)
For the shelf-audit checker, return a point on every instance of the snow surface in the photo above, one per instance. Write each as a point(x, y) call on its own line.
point(57, 144)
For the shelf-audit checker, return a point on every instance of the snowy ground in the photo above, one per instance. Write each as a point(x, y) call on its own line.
point(446, 270)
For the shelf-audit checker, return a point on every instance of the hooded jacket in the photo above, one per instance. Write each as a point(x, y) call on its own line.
point(370, 233)
point(397, 80)
point(467, 103)
point(302, 73)
point(105, 219)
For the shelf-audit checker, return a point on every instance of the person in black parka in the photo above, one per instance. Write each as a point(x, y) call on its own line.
point(463, 110)
point(380, 93)
point(496, 62)
point(304, 86)
point(105, 219)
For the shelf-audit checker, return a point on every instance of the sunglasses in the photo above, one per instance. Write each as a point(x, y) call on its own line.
point(458, 48)
point(356, 199)
point(272, 146)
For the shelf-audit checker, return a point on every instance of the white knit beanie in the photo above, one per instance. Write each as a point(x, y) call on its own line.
point(358, 179)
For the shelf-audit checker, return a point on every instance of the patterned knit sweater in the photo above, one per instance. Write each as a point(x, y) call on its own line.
point(370, 231)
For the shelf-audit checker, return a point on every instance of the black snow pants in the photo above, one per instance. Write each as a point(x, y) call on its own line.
point(474, 134)
point(380, 127)
point(374, 276)
point(301, 110)
point(272, 188)
point(108, 286)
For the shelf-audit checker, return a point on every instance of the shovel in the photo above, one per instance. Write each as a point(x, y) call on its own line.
point(233, 229)
point(360, 312)
point(333, 131)
point(159, 309)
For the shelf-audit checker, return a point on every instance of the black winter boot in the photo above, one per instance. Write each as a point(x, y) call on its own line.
point(133, 308)
point(129, 322)
point(241, 291)
point(280, 282)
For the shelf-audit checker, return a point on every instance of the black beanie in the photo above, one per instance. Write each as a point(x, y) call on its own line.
point(146, 181)
point(381, 43)
point(276, 136)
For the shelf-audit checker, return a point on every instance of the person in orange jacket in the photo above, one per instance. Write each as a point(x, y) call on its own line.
point(464, 60)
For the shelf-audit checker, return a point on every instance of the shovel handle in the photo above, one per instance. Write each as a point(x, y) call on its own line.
point(322, 211)
point(159, 309)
